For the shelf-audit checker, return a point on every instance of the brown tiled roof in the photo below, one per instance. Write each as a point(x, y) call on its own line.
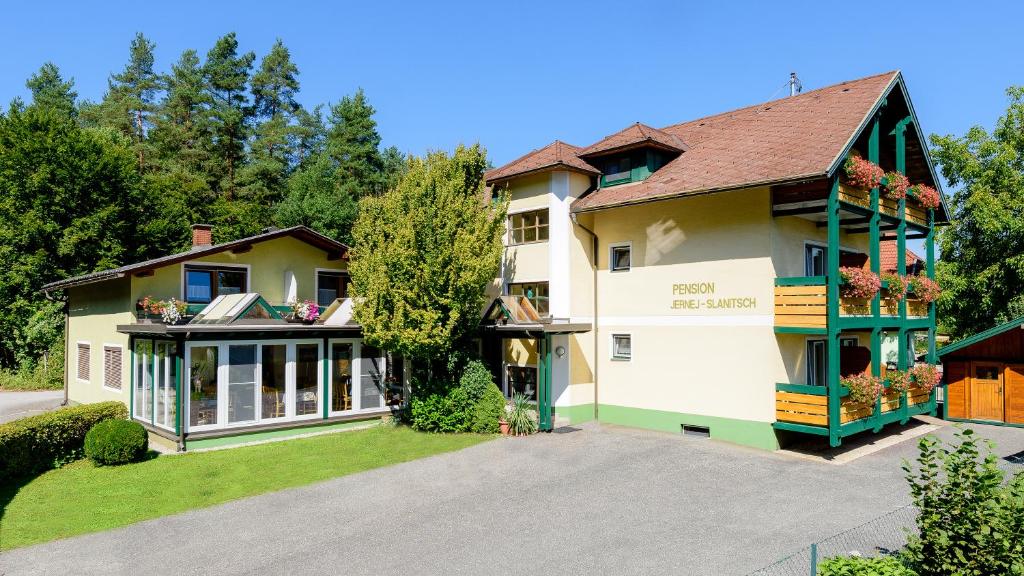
point(553, 155)
point(636, 135)
point(794, 138)
point(887, 256)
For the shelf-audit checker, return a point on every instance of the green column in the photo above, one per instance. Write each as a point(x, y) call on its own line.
point(903, 356)
point(832, 329)
point(544, 388)
point(874, 257)
point(930, 270)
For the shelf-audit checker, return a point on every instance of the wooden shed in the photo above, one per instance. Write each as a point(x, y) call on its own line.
point(984, 376)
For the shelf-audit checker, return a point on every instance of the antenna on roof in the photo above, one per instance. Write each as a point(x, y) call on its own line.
point(795, 87)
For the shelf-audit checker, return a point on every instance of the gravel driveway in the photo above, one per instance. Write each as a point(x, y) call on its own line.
point(598, 500)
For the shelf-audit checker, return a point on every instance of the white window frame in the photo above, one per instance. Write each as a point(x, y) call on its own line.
point(611, 256)
point(120, 369)
point(77, 371)
point(184, 289)
point(161, 373)
point(222, 383)
point(820, 244)
point(807, 360)
point(357, 377)
point(316, 280)
point(611, 347)
point(508, 226)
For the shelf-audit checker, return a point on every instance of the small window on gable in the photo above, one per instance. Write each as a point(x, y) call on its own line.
point(621, 257)
point(622, 347)
point(617, 169)
point(330, 286)
point(83, 361)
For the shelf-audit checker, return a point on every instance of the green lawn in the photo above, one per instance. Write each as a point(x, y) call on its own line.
point(82, 498)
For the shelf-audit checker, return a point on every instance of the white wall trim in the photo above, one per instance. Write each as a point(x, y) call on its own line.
point(559, 262)
point(746, 320)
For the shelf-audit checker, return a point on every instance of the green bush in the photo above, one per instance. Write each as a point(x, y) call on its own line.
point(44, 373)
point(475, 380)
point(520, 419)
point(116, 442)
point(488, 411)
point(969, 520)
point(442, 412)
point(38, 443)
point(857, 566)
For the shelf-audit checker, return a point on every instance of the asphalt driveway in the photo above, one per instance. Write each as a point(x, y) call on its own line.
point(600, 500)
point(15, 405)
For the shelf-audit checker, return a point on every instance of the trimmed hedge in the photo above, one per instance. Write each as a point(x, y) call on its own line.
point(37, 443)
point(114, 442)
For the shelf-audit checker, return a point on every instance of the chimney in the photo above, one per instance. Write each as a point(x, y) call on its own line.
point(795, 87)
point(202, 235)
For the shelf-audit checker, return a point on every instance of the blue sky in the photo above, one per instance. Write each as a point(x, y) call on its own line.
point(516, 75)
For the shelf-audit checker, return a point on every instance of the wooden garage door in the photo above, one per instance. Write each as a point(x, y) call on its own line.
point(1014, 378)
point(986, 395)
point(956, 388)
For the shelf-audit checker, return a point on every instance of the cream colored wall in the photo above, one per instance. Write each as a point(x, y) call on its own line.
point(527, 262)
point(94, 311)
point(698, 360)
point(268, 262)
point(791, 233)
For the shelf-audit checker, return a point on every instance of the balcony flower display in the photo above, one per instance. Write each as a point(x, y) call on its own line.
point(896, 285)
point(927, 196)
point(926, 376)
point(305, 310)
point(899, 380)
point(170, 310)
point(862, 173)
point(896, 185)
point(859, 283)
point(864, 388)
point(926, 289)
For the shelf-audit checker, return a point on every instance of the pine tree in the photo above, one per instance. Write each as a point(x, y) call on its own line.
point(227, 76)
point(182, 132)
point(50, 91)
point(354, 144)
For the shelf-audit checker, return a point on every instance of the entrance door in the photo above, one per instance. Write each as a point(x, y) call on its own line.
point(986, 391)
point(1014, 375)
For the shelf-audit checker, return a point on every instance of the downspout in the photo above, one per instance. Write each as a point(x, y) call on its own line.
point(67, 326)
point(593, 235)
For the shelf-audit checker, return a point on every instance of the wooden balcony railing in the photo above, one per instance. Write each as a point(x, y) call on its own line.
point(808, 405)
point(861, 197)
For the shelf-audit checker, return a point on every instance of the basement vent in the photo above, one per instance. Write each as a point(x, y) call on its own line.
point(698, 431)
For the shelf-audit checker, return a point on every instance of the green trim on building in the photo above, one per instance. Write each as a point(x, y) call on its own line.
point(244, 437)
point(576, 414)
point(746, 432)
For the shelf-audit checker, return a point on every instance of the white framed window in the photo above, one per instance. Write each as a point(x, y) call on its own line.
point(330, 284)
point(362, 378)
point(245, 382)
point(620, 257)
point(201, 282)
point(527, 227)
point(817, 358)
point(113, 366)
point(83, 356)
point(520, 379)
point(622, 347)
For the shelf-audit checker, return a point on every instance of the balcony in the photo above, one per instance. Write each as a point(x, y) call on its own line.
point(801, 307)
point(806, 409)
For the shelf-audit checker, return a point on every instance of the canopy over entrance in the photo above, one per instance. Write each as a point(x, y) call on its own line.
point(513, 317)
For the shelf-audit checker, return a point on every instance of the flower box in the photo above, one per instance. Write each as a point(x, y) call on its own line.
point(853, 195)
point(916, 307)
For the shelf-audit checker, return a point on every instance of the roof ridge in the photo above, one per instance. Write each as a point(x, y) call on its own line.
point(784, 99)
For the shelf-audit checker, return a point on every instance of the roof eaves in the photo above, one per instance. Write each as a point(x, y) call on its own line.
point(971, 340)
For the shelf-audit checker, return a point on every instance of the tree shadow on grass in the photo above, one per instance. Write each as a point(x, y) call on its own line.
point(9, 489)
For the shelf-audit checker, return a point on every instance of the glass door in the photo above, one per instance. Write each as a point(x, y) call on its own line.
point(371, 377)
point(165, 384)
point(241, 405)
point(143, 408)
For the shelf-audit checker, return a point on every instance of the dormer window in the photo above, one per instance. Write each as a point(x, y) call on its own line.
point(617, 170)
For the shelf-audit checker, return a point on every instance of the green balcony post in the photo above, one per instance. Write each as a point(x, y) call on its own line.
point(903, 360)
point(547, 383)
point(930, 271)
point(874, 258)
point(832, 292)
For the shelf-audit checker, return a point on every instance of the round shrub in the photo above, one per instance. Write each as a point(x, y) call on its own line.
point(116, 442)
point(476, 380)
point(488, 411)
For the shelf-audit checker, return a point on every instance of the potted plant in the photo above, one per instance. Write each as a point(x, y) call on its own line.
point(925, 376)
point(864, 388)
point(520, 417)
point(857, 287)
point(925, 291)
point(896, 185)
point(170, 311)
point(926, 196)
point(503, 423)
point(899, 380)
point(861, 173)
point(305, 311)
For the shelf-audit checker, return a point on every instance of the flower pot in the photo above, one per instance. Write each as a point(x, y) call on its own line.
point(503, 425)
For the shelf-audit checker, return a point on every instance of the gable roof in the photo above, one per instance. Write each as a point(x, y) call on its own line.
point(887, 255)
point(791, 139)
point(558, 154)
point(334, 249)
point(980, 336)
point(634, 136)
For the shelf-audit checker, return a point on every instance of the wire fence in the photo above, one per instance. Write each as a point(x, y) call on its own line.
point(884, 535)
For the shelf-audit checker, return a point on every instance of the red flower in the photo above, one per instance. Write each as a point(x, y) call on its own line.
point(862, 173)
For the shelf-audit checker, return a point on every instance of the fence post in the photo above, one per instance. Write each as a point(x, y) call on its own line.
point(814, 560)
